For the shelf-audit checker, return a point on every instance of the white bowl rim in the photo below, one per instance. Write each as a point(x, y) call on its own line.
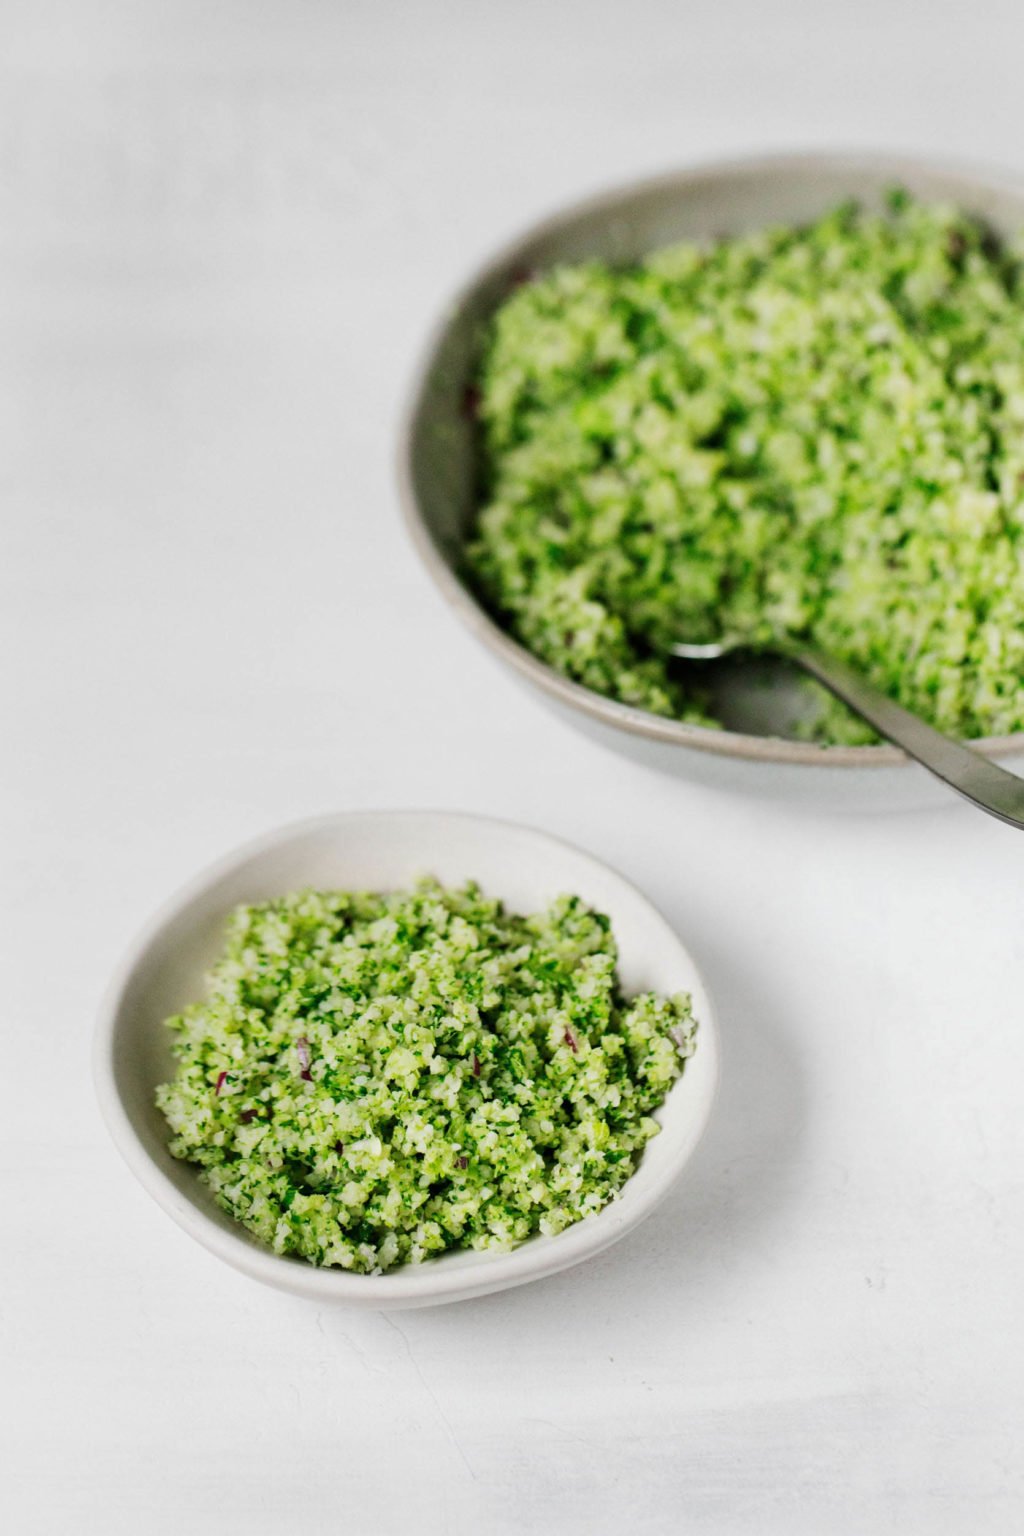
point(624, 717)
point(410, 1285)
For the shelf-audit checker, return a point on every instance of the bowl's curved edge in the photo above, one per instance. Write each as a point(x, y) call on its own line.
point(759, 749)
point(411, 1286)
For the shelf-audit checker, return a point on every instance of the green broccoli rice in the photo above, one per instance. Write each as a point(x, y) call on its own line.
point(373, 1079)
point(811, 432)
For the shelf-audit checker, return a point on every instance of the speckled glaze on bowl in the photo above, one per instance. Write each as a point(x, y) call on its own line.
point(438, 464)
point(382, 850)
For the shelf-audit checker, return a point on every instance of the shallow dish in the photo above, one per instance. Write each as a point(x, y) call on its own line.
point(380, 850)
point(438, 466)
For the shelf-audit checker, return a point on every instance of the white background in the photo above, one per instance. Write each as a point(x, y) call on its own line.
point(224, 230)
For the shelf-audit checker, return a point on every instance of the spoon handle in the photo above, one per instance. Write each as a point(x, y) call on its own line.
point(971, 775)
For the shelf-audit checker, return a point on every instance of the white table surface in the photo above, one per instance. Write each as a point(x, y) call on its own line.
point(223, 232)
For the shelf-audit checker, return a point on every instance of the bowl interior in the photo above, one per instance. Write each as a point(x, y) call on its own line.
point(379, 851)
point(441, 469)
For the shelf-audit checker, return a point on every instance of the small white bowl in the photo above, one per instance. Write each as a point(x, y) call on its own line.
point(374, 850)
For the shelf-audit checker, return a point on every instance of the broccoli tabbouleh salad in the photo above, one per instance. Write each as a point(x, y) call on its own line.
point(373, 1079)
point(809, 432)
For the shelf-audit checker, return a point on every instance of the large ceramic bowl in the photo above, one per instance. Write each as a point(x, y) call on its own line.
point(380, 851)
point(438, 464)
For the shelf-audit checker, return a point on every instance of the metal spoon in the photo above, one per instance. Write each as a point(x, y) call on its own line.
point(985, 784)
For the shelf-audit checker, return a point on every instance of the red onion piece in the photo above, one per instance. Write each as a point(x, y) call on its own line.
point(571, 1041)
point(476, 1065)
point(302, 1051)
point(220, 1084)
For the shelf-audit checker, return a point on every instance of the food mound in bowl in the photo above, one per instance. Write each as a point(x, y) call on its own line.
point(374, 1079)
point(813, 432)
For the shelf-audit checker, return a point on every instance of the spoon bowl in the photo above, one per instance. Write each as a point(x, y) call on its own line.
point(966, 771)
